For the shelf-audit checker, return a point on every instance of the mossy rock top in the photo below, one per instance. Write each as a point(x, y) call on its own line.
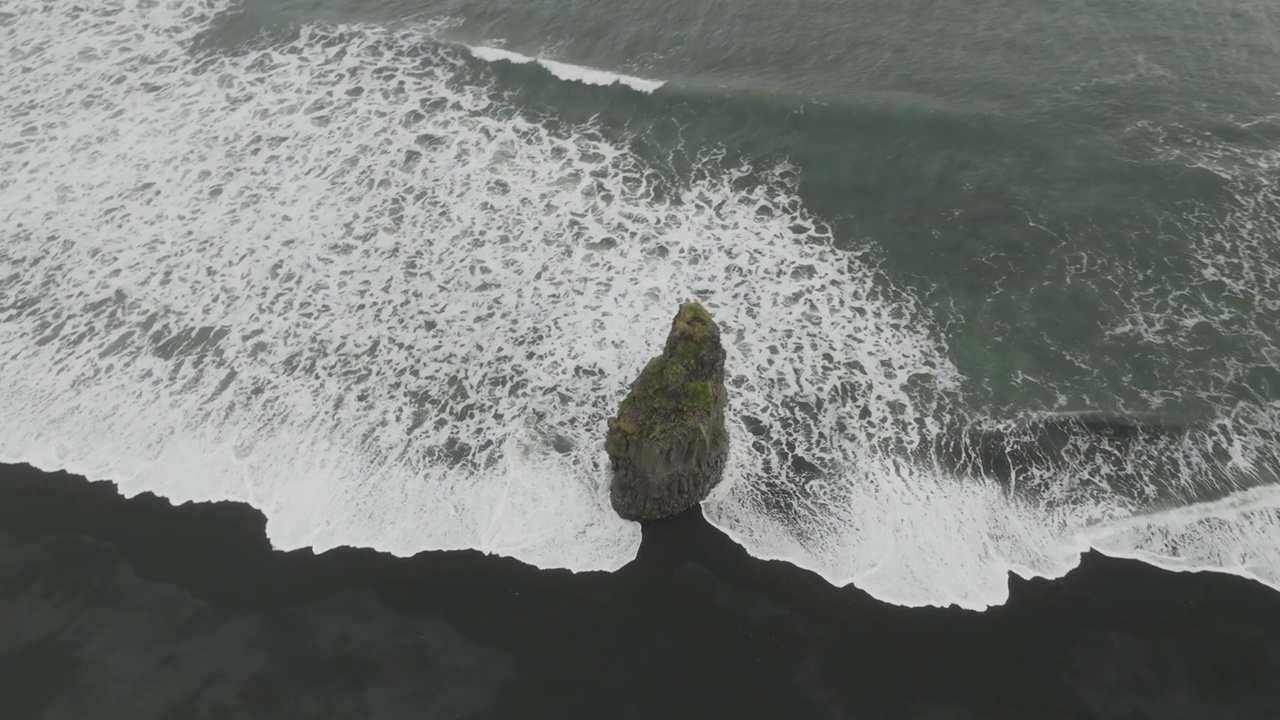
point(679, 387)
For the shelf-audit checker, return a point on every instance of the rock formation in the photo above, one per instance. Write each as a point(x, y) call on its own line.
point(668, 444)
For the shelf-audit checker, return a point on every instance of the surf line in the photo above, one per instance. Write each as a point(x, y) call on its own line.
point(567, 71)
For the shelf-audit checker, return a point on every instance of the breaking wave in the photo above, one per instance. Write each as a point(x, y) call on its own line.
point(344, 279)
point(567, 71)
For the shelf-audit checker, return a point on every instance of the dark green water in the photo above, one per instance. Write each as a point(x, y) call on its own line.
point(912, 217)
point(1034, 169)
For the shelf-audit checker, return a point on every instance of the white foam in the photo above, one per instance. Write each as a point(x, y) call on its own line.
point(909, 535)
point(1239, 534)
point(343, 280)
point(567, 71)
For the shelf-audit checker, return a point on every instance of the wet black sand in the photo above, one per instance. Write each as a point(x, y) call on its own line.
point(134, 609)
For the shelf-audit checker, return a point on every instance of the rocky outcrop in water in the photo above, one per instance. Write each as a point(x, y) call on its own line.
point(668, 443)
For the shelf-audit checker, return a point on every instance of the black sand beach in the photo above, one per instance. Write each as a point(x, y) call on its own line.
point(115, 608)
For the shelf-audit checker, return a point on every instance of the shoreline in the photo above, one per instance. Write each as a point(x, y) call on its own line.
point(693, 622)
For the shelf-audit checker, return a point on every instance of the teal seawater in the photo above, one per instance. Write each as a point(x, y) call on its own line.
point(920, 218)
point(1031, 168)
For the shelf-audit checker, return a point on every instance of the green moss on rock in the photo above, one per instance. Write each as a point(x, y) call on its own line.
point(677, 382)
point(699, 396)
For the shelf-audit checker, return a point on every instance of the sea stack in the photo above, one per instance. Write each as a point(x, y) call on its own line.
point(668, 444)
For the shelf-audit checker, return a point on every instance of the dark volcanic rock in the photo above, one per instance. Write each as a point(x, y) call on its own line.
point(668, 442)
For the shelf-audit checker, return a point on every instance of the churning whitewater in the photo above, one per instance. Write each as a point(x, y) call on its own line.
point(343, 278)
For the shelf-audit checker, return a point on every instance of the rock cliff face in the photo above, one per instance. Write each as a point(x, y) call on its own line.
point(668, 444)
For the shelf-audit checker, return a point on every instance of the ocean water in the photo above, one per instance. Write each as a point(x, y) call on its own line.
point(382, 270)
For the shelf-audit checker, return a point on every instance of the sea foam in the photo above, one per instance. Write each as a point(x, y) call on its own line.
point(343, 279)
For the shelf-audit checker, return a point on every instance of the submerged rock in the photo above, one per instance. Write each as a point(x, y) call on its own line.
point(668, 444)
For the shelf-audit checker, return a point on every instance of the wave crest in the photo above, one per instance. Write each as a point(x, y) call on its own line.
point(567, 71)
